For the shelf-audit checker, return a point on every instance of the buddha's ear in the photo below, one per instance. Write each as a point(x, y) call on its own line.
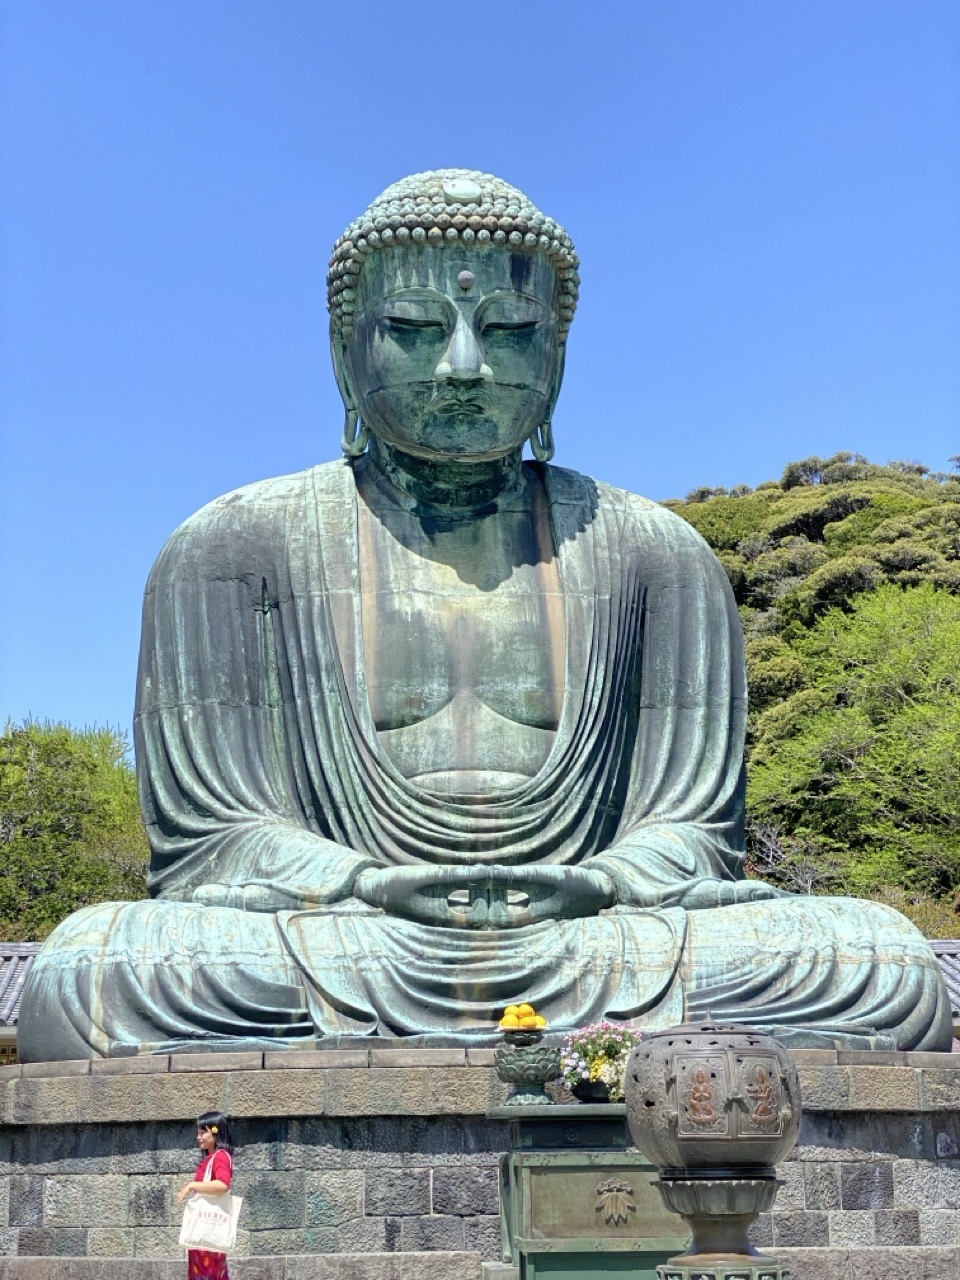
point(558, 376)
point(338, 350)
point(541, 441)
point(356, 434)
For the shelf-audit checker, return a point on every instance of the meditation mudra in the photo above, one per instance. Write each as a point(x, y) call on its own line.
point(431, 730)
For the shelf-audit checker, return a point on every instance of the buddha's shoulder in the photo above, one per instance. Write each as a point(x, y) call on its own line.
point(640, 521)
point(260, 515)
point(272, 500)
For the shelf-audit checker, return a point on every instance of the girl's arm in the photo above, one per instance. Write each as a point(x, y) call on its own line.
point(222, 1165)
point(212, 1188)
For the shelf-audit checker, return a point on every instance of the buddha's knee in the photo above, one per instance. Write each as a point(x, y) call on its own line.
point(890, 930)
point(129, 977)
point(53, 1022)
point(854, 926)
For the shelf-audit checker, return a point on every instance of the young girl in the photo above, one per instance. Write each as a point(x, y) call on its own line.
point(215, 1141)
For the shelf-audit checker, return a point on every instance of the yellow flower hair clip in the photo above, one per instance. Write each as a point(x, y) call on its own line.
point(214, 1129)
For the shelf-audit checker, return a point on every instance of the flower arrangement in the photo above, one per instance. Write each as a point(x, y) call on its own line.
point(598, 1053)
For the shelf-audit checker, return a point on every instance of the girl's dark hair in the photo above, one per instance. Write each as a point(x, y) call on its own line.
point(216, 1120)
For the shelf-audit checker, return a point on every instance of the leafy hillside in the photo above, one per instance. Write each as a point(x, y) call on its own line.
point(847, 575)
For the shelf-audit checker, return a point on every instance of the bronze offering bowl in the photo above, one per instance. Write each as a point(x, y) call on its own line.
point(524, 1061)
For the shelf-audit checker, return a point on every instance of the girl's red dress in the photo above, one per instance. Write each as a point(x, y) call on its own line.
point(201, 1263)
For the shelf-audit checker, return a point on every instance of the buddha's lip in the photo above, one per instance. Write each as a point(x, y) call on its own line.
point(454, 405)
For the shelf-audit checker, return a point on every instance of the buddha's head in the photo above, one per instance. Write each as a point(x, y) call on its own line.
point(450, 303)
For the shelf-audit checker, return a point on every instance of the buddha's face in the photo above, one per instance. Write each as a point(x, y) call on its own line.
point(454, 353)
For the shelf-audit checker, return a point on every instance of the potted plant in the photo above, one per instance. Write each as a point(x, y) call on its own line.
point(593, 1060)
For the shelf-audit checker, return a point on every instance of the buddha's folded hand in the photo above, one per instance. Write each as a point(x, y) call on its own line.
point(485, 897)
point(420, 892)
point(551, 892)
point(248, 897)
point(705, 894)
point(309, 881)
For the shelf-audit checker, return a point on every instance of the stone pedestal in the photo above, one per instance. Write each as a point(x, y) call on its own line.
point(576, 1201)
point(383, 1165)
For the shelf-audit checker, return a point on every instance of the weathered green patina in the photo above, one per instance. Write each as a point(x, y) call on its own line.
point(574, 1201)
point(431, 730)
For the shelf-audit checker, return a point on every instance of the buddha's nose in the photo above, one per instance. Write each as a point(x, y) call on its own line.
point(463, 359)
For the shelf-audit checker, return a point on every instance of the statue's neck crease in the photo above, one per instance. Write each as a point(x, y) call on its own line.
point(464, 489)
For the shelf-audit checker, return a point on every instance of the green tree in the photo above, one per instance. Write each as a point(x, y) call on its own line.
point(855, 770)
point(847, 574)
point(70, 826)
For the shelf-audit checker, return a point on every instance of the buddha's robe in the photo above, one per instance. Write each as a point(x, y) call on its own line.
point(260, 768)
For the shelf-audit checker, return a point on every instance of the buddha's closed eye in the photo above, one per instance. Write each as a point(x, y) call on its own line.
point(409, 322)
point(511, 325)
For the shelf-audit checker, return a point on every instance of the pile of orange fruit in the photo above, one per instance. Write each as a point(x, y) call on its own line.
point(521, 1017)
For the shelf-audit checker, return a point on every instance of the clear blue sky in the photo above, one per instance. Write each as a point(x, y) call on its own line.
point(765, 195)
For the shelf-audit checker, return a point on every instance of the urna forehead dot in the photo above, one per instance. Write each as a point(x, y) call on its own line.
point(461, 191)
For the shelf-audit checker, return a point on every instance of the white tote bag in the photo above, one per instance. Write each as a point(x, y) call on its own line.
point(210, 1222)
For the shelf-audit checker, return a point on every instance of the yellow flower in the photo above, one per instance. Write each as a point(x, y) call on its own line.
point(214, 1129)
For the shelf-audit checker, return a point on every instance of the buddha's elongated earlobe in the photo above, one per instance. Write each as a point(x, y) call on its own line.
point(356, 434)
point(541, 442)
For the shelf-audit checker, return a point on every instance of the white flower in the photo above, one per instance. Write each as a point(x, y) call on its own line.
point(610, 1073)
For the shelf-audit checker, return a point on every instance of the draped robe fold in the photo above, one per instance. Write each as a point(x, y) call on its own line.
point(260, 770)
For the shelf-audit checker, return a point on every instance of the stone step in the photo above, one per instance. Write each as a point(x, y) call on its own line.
point(435, 1265)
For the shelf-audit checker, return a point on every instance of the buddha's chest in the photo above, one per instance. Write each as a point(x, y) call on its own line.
point(463, 645)
point(425, 647)
point(480, 616)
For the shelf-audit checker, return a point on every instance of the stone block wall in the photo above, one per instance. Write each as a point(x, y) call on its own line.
point(389, 1154)
point(352, 1151)
point(865, 1180)
point(878, 1161)
point(305, 1266)
point(312, 1185)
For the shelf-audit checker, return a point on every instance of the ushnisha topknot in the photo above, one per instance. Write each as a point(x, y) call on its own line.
point(450, 206)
